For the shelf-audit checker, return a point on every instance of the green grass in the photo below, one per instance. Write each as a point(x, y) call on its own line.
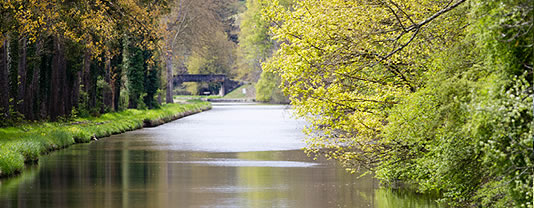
point(238, 93)
point(25, 143)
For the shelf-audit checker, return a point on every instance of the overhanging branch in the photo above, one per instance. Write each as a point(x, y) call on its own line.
point(415, 28)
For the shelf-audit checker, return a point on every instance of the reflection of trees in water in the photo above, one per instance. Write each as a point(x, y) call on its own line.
point(138, 169)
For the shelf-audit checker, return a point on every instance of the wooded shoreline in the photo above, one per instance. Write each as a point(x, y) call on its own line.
point(27, 143)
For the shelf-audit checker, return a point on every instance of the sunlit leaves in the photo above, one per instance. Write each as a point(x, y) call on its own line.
point(93, 23)
point(344, 63)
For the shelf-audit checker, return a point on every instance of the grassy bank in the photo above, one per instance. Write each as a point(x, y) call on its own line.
point(250, 92)
point(25, 143)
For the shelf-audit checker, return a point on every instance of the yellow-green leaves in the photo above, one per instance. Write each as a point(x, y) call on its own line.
point(93, 23)
point(345, 63)
point(424, 91)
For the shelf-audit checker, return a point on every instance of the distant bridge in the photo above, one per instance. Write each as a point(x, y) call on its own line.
point(227, 84)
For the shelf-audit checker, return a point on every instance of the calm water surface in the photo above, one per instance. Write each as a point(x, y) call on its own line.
point(236, 155)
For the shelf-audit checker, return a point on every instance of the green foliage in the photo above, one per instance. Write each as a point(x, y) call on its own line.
point(26, 143)
point(445, 107)
point(467, 134)
point(123, 100)
point(254, 35)
point(140, 103)
point(333, 67)
point(135, 71)
point(254, 42)
point(215, 57)
point(143, 75)
point(12, 117)
point(10, 160)
point(255, 47)
point(75, 46)
point(267, 89)
point(152, 83)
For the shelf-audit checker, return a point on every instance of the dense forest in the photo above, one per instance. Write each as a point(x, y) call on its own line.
point(64, 59)
point(74, 58)
point(436, 94)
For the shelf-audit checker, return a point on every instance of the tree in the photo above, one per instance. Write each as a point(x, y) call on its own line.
point(254, 41)
point(4, 83)
point(255, 47)
point(182, 26)
point(342, 63)
point(38, 36)
point(135, 69)
point(190, 27)
point(216, 56)
point(406, 89)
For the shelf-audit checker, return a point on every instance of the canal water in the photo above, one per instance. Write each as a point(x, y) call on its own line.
point(235, 155)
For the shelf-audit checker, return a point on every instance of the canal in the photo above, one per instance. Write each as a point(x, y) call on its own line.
point(235, 155)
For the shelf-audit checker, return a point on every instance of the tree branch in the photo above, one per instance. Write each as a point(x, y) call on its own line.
point(416, 28)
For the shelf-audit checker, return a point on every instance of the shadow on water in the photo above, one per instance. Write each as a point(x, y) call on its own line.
point(232, 156)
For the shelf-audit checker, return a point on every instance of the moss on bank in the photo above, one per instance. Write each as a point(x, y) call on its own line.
point(25, 143)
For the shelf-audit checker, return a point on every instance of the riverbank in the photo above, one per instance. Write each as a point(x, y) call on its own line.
point(231, 100)
point(26, 143)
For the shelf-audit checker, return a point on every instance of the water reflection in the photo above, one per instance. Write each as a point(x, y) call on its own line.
point(232, 156)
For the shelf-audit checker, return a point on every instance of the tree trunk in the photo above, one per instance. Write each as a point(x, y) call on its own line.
point(54, 82)
point(21, 88)
point(13, 54)
point(45, 79)
point(86, 71)
point(168, 64)
point(59, 87)
point(115, 94)
point(32, 93)
point(76, 89)
point(65, 94)
point(116, 74)
point(107, 93)
point(4, 82)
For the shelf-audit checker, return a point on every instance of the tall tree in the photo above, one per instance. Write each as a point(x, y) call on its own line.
point(4, 83)
point(50, 34)
point(343, 62)
point(255, 43)
point(116, 75)
point(32, 93)
point(256, 46)
point(435, 93)
point(135, 70)
point(22, 69)
point(189, 26)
